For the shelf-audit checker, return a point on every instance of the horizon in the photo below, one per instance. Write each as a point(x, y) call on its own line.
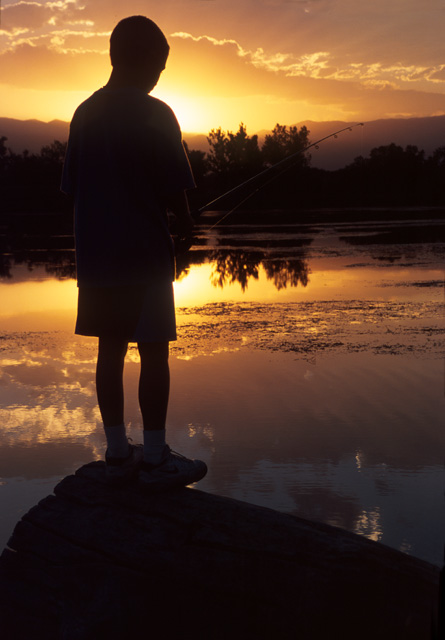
point(427, 133)
point(288, 124)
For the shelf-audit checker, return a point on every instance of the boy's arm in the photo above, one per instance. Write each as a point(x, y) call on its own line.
point(178, 205)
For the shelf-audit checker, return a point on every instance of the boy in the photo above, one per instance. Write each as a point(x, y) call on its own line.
point(125, 166)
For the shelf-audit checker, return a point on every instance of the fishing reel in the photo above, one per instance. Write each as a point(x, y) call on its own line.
point(181, 243)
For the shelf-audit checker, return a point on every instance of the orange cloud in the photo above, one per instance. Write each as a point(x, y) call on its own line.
point(227, 69)
point(25, 16)
point(261, 62)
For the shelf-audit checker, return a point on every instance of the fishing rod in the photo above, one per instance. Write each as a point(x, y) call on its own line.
point(283, 165)
point(285, 161)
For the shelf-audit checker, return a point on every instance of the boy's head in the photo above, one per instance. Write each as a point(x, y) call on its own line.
point(136, 43)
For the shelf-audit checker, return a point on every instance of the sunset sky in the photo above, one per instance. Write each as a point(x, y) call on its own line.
point(254, 61)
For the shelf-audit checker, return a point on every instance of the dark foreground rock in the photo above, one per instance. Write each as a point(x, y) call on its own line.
point(94, 562)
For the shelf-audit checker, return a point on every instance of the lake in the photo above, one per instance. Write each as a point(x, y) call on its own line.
point(308, 371)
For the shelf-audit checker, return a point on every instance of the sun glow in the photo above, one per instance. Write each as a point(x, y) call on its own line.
point(45, 105)
point(189, 111)
point(200, 112)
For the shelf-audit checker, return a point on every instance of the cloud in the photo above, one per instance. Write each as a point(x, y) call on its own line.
point(26, 16)
point(203, 65)
point(323, 64)
point(438, 75)
point(341, 58)
point(51, 45)
point(289, 85)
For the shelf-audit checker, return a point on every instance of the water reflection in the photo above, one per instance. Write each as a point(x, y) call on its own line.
point(308, 375)
point(287, 434)
point(59, 263)
point(241, 267)
point(228, 267)
point(237, 252)
point(231, 263)
point(47, 391)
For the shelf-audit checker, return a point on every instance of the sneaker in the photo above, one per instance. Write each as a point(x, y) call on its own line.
point(174, 471)
point(119, 470)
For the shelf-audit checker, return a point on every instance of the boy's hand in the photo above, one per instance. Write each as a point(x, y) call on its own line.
point(184, 225)
point(182, 231)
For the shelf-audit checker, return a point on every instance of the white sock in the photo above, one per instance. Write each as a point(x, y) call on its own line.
point(117, 441)
point(154, 445)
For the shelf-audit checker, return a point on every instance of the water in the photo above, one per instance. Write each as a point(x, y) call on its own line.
point(308, 372)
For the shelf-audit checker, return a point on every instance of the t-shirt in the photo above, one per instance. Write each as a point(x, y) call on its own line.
point(125, 156)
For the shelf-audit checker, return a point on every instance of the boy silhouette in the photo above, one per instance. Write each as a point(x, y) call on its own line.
point(125, 166)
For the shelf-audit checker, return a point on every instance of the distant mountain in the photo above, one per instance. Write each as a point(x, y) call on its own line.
point(425, 133)
point(32, 134)
point(196, 141)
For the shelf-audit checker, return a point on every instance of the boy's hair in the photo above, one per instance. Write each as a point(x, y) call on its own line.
point(137, 41)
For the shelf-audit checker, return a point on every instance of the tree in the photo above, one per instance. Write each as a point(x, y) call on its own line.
point(3, 147)
point(217, 159)
point(435, 176)
point(6, 156)
point(54, 153)
point(437, 160)
point(284, 142)
point(236, 156)
point(197, 161)
point(391, 175)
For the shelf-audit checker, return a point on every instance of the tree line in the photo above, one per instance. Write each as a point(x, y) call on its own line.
point(30, 182)
point(389, 176)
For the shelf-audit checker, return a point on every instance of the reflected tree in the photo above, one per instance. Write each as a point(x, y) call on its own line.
point(231, 267)
point(58, 263)
point(287, 272)
point(185, 261)
point(5, 266)
point(62, 266)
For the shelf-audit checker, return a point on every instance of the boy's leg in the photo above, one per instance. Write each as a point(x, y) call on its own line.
point(154, 389)
point(110, 393)
point(162, 468)
point(154, 384)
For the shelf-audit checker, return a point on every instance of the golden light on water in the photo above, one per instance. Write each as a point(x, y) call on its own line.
point(328, 279)
point(50, 304)
point(38, 305)
point(38, 296)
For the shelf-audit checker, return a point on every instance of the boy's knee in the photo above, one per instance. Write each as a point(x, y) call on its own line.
point(154, 351)
point(111, 348)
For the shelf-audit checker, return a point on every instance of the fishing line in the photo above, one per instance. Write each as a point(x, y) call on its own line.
point(183, 244)
point(290, 161)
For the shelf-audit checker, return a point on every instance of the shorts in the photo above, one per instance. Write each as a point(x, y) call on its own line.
point(136, 313)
